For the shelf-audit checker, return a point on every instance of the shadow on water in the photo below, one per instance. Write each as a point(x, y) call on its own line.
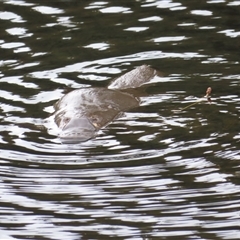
point(153, 173)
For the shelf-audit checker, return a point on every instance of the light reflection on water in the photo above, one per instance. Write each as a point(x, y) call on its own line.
point(156, 172)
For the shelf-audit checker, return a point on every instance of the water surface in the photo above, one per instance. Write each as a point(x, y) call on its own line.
point(154, 173)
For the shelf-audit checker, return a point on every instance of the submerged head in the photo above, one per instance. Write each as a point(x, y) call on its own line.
point(77, 130)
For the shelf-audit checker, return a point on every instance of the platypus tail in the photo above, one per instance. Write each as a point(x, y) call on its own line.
point(133, 79)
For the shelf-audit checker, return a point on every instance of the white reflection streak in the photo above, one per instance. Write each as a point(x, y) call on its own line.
point(142, 56)
point(169, 39)
point(48, 10)
point(230, 33)
point(11, 16)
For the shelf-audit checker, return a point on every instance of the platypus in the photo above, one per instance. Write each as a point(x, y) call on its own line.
point(82, 112)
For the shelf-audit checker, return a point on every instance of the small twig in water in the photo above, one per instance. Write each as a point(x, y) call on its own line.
point(207, 96)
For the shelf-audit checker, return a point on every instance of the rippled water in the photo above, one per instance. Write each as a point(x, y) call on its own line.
point(154, 173)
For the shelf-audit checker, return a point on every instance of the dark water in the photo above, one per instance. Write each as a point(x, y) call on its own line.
point(154, 173)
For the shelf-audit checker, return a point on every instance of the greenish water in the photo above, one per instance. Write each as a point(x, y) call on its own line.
point(154, 173)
